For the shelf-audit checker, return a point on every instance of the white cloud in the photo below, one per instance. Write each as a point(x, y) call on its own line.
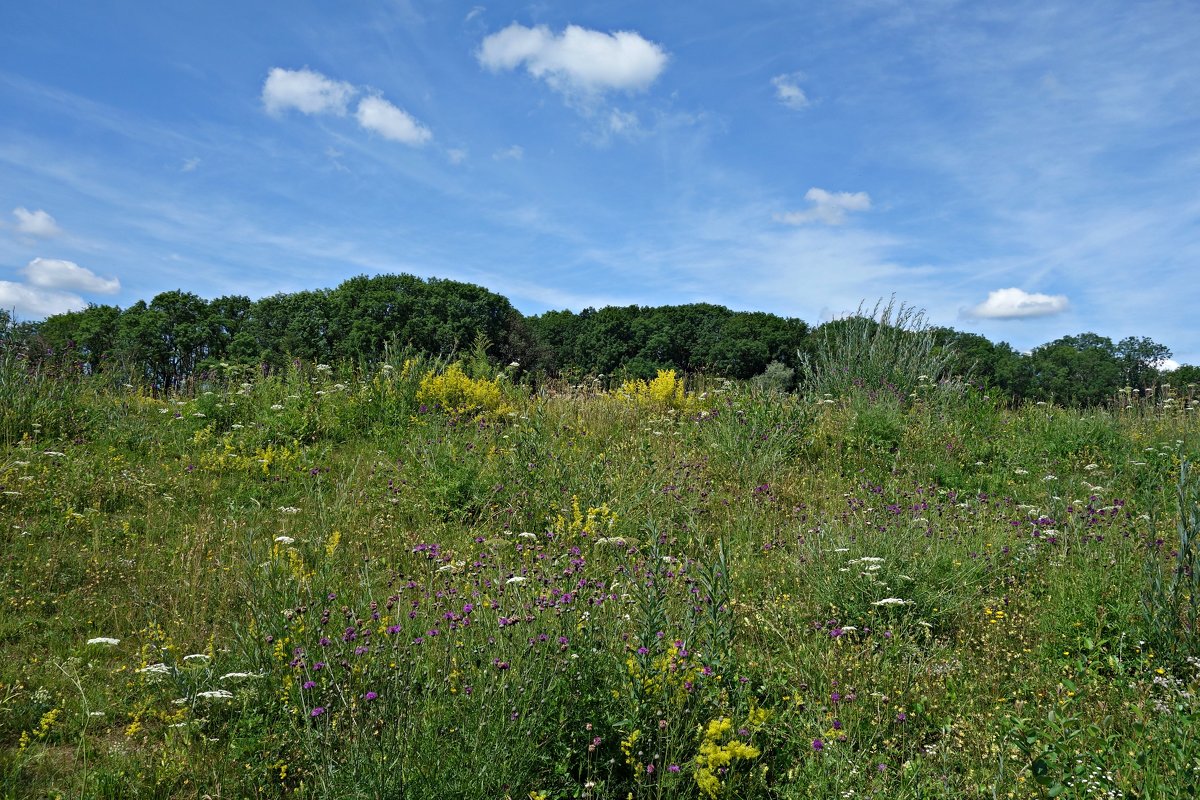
point(473, 13)
point(1168, 365)
point(36, 223)
point(788, 91)
point(827, 207)
point(67, 276)
point(514, 153)
point(378, 115)
point(306, 91)
point(190, 165)
point(577, 60)
point(28, 302)
point(456, 155)
point(1016, 304)
point(623, 122)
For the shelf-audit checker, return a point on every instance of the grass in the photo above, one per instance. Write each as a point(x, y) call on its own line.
point(337, 584)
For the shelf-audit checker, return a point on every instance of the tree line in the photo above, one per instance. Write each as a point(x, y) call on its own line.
point(178, 337)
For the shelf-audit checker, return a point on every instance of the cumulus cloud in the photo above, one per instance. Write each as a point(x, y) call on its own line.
point(306, 91)
point(578, 60)
point(830, 208)
point(788, 91)
point(1016, 304)
point(378, 115)
point(1168, 365)
point(67, 276)
point(36, 223)
point(30, 302)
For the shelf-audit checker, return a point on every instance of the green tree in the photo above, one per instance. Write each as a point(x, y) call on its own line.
point(1140, 358)
point(1078, 370)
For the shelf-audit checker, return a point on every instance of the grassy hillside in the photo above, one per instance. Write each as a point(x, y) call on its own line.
point(425, 582)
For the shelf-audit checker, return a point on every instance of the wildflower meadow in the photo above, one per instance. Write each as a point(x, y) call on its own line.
point(426, 578)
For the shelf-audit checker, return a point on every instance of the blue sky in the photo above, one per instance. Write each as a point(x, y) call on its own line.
point(1024, 170)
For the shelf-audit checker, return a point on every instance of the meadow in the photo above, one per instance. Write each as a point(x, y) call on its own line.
point(428, 580)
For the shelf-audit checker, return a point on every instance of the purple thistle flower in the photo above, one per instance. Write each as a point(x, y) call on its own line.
point(369, 696)
point(309, 685)
point(818, 745)
point(318, 711)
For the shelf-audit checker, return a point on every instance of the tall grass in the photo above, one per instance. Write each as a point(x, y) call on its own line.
point(889, 350)
point(326, 583)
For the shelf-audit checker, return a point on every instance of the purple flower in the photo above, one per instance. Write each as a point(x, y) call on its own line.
point(818, 745)
point(673, 768)
point(369, 696)
point(901, 717)
point(309, 685)
point(318, 711)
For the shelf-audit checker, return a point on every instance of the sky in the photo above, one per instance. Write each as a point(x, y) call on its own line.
point(1021, 170)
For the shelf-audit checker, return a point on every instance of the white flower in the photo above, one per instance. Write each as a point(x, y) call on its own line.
point(215, 694)
point(284, 540)
point(1050, 478)
point(288, 510)
point(890, 601)
point(277, 407)
point(516, 579)
point(197, 413)
point(107, 641)
point(54, 453)
point(95, 713)
point(324, 368)
point(526, 535)
point(198, 658)
point(1020, 471)
point(156, 669)
point(237, 426)
point(237, 676)
point(1091, 467)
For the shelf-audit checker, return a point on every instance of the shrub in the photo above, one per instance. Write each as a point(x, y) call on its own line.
point(458, 395)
